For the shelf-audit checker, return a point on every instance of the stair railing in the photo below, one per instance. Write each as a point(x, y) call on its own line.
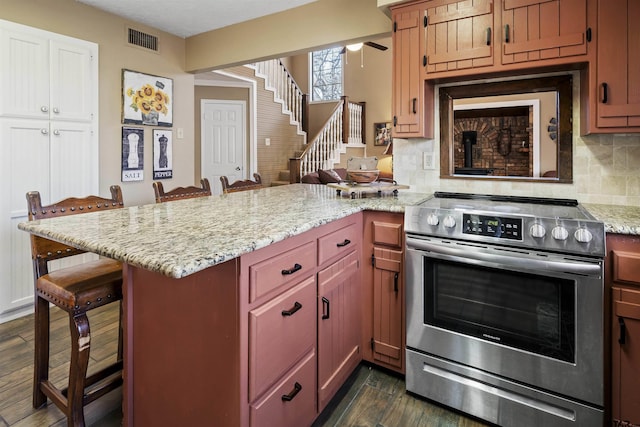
point(344, 125)
point(286, 90)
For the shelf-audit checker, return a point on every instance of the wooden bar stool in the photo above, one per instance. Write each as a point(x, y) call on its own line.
point(180, 193)
point(241, 185)
point(76, 290)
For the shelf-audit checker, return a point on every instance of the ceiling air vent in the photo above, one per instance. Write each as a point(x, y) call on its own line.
point(143, 40)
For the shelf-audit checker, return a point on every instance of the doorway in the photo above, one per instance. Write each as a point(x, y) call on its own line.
point(223, 141)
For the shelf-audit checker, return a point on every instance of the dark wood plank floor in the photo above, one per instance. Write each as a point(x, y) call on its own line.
point(371, 397)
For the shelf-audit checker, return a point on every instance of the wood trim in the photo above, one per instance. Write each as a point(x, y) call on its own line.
point(474, 53)
point(514, 4)
point(467, 12)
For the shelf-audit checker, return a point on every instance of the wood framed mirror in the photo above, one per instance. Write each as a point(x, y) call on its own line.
point(511, 130)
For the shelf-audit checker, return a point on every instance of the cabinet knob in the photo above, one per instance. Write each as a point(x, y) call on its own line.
point(44, 131)
point(56, 110)
point(44, 109)
point(56, 132)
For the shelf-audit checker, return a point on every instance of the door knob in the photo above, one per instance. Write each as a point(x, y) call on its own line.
point(237, 168)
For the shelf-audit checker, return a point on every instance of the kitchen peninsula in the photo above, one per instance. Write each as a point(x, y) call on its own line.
point(206, 341)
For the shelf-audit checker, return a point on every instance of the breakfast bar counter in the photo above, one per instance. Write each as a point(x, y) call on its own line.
point(183, 237)
point(200, 276)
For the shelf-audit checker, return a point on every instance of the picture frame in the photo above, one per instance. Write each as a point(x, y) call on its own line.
point(382, 133)
point(132, 154)
point(146, 99)
point(162, 154)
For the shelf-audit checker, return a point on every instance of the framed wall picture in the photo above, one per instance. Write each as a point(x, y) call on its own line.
point(132, 154)
point(162, 154)
point(146, 99)
point(382, 133)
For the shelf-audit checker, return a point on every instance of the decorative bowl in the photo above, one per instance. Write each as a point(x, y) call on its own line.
point(363, 176)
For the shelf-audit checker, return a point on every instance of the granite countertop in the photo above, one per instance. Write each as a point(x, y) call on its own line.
point(617, 219)
point(182, 237)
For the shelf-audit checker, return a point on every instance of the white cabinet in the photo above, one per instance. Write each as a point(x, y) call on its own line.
point(48, 139)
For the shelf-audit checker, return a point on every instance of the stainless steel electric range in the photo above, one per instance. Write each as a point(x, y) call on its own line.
point(505, 308)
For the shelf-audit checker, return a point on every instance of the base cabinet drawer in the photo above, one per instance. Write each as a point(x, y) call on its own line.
point(280, 332)
point(338, 243)
point(291, 403)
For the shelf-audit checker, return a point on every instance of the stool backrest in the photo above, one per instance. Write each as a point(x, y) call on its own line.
point(180, 193)
point(44, 250)
point(241, 185)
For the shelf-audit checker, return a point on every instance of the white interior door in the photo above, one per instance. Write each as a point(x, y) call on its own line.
point(223, 141)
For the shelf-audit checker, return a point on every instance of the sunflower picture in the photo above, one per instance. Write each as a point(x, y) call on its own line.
point(146, 99)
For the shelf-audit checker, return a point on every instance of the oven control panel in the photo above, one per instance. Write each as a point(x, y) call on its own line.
point(492, 226)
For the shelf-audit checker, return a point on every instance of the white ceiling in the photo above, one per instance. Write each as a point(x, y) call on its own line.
point(185, 18)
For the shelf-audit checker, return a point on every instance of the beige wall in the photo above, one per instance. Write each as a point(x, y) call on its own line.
point(318, 24)
point(73, 19)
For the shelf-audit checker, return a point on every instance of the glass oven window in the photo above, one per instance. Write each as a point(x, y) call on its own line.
point(531, 312)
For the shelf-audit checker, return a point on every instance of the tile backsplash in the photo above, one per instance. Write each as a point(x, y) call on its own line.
point(606, 169)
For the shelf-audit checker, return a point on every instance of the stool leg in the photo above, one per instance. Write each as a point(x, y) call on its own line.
point(41, 353)
point(80, 348)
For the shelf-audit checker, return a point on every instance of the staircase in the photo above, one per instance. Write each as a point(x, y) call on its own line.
point(344, 126)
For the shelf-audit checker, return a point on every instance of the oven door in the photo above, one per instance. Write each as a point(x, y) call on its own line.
point(527, 316)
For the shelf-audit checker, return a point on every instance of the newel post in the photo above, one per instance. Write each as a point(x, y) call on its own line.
point(346, 125)
point(294, 170)
point(305, 112)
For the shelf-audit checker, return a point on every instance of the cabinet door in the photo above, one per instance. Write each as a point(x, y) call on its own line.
point(388, 297)
point(72, 84)
point(24, 82)
point(618, 64)
point(625, 355)
point(459, 35)
point(338, 325)
point(534, 30)
point(408, 82)
point(24, 161)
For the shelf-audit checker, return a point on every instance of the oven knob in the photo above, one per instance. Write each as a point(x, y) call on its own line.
point(583, 235)
point(559, 233)
point(537, 230)
point(432, 219)
point(449, 221)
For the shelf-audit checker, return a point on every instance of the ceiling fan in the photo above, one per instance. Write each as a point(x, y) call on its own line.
point(357, 46)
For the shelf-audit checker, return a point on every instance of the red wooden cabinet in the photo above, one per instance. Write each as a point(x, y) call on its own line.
point(338, 325)
point(534, 30)
point(412, 98)
point(459, 35)
point(383, 290)
point(622, 280)
point(615, 94)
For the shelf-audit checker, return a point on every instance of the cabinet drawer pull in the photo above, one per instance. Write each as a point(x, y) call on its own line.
point(605, 94)
point(415, 100)
point(295, 268)
point(296, 306)
point(395, 283)
point(489, 36)
point(289, 397)
point(327, 304)
point(345, 243)
point(622, 339)
point(506, 33)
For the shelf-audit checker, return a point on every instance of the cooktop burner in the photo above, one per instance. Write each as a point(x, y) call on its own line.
point(561, 225)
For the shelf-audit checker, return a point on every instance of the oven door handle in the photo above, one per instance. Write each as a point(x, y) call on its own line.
point(464, 254)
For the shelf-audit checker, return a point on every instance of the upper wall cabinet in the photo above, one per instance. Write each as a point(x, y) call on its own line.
point(412, 98)
point(535, 30)
point(614, 83)
point(458, 35)
point(465, 38)
point(46, 77)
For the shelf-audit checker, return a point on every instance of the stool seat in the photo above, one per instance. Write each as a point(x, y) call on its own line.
point(83, 287)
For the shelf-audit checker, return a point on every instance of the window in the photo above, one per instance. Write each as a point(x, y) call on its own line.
point(326, 75)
